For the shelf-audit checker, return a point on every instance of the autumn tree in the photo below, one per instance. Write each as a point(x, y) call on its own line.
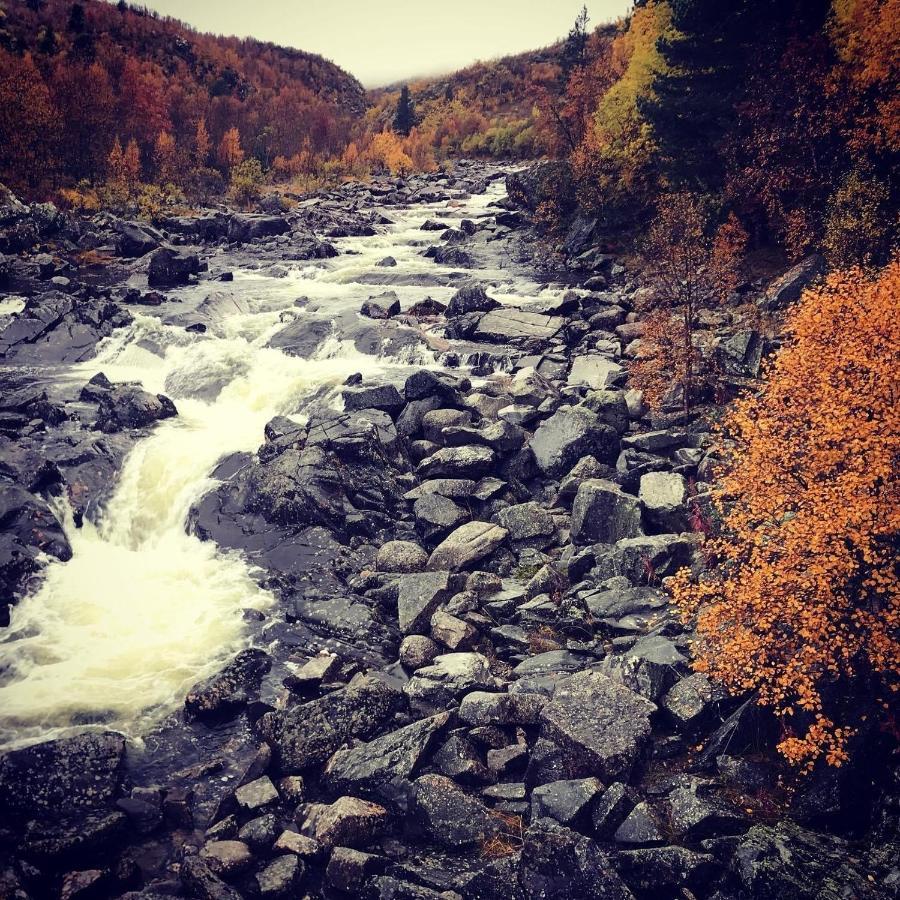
point(801, 603)
point(202, 144)
point(688, 268)
point(29, 124)
point(164, 158)
point(230, 152)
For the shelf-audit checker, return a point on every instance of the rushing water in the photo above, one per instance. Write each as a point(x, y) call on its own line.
point(144, 610)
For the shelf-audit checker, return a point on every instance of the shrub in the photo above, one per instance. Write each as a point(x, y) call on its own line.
point(803, 606)
point(858, 227)
point(247, 179)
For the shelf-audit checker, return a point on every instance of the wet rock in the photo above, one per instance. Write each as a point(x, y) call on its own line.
point(452, 256)
point(226, 858)
point(610, 810)
point(387, 263)
point(445, 815)
point(458, 462)
point(450, 676)
point(569, 434)
point(401, 556)
point(62, 777)
point(417, 650)
point(257, 794)
point(30, 529)
point(299, 844)
point(599, 726)
point(427, 383)
point(225, 693)
point(517, 327)
point(433, 225)
point(348, 822)
point(202, 883)
point(259, 834)
point(467, 545)
point(128, 406)
point(169, 266)
point(603, 513)
point(418, 598)
point(664, 498)
point(308, 734)
point(385, 397)
point(567, 802)
point(371, 769)
point(560, 864)
point(459, 760)
point(280, 878)
point(382, 306)
point(470, 298)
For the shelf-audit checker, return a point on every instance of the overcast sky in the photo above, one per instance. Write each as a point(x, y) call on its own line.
point(382, 41)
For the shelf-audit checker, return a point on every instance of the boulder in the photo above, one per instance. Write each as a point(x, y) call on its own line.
point(307, 734)
point(382, 306)
point(467, 545)
point(201, 882)
point(557, 863)
point(445, 815)
point(224, 694)
point(279, 879)
point(169, 266)
point(470, 298)
point(482, 708)
point(449, 677)
point(603, 513)
point(348, 822)
point(528, 524)
point(788, 288)
point(136, 239)
point(436, 516)
point(508, 325)
point(458, 462)
point(383, 397)
point(127, 406)
point(664, 499)
point(599, 726)
point(372, 769)
point(226, 858)
point(419, 595)
point(62, 777)
point(400, 556)
point(569, 434)
point(567, 802)
point(597, 372)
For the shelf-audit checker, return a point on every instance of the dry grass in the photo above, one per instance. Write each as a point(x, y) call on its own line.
point(507, 840)
point(543, 639)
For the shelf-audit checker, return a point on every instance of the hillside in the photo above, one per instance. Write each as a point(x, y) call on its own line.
point(89, 72)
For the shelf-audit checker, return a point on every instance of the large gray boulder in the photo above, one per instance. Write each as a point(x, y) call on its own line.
point(603, 513)
point(467, 545)
point(569, 434)
point(419, 596)
point(664, 498)
point(444, 814)
point(63, 777)
point(598, 725)
point(169, 266)
point(307, 734)
point(788, 288)
point(517, 327)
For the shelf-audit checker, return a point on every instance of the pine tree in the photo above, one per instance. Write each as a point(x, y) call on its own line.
point(574, 49)
point(406, 113)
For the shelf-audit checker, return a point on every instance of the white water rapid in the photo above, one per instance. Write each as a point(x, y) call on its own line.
point(143, 610)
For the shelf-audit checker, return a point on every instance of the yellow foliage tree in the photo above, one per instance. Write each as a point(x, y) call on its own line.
point(164, 158)
point(230, 153)
point(802, 604)
point(386, 151)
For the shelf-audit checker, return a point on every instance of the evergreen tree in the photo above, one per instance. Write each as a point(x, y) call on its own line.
point(574, 49)
point(405, 118)
point(76, 18)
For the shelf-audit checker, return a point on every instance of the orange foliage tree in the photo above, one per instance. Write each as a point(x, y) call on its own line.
point(802, 605)
point(230, 153)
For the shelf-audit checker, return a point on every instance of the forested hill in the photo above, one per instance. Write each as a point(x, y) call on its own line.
point(115, 70)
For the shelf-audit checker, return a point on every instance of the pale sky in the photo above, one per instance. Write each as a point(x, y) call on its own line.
point(382, 41)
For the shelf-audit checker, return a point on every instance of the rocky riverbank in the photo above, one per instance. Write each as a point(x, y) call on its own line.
point(472, 684)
